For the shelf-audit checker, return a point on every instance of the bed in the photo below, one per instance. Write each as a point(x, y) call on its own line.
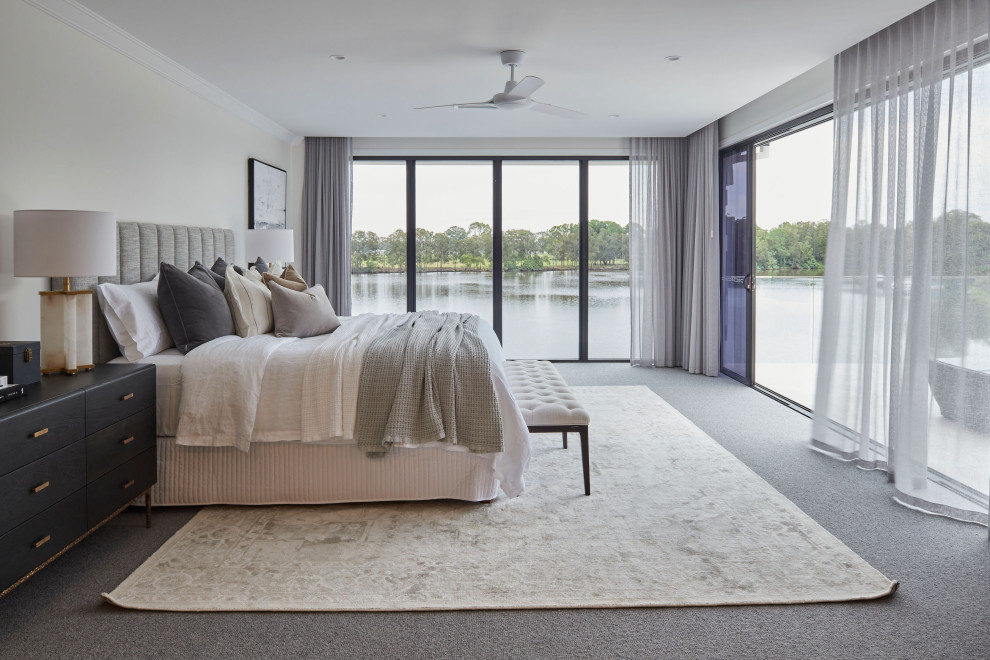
point(289, 471)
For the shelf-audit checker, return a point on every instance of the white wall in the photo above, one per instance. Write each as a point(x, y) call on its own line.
point(82, 126)
point(809, 91)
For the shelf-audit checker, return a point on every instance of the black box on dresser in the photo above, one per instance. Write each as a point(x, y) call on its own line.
point(20, 361)
point(74, 452)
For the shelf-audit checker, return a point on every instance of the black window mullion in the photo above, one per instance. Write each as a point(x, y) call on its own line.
point(583, 260)
point(497, 247)
point(411, 234)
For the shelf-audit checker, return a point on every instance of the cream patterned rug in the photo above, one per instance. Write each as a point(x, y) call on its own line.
point(673, 519)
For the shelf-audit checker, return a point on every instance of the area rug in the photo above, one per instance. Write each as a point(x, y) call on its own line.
point(673, 520)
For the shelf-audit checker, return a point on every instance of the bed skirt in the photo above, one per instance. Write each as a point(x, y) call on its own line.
point(295, 473)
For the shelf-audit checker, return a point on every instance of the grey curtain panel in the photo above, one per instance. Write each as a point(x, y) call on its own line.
point(904, 365)
point(326, 219)
point(700, 272)
point(673, 248)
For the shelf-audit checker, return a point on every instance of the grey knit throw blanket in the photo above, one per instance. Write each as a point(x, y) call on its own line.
point(428, 378)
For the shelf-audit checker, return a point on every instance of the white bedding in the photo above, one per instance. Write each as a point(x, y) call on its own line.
point(299, 390)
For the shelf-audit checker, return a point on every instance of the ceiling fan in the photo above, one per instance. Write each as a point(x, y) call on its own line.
point(517, 95)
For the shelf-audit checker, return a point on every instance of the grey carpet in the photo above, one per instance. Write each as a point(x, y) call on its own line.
point(942, 609)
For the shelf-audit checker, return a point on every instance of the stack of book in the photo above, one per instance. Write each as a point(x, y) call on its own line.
point(8, 390)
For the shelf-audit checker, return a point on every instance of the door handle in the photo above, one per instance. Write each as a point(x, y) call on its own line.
point(749, 282)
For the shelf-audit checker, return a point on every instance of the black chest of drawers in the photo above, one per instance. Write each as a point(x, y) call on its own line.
point(74, 452)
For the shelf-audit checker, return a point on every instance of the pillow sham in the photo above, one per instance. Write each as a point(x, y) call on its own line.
point(290, 279)
point(220, 267)
point(216, 278)
point(302, 313)
point(260, 265)
point(193, 306)
point(135, 322)
point(250, 304)
point(252, 274)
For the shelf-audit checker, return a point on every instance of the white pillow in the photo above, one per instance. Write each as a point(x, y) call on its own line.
point(135, 321)
point(252, 274)
point(250, 304)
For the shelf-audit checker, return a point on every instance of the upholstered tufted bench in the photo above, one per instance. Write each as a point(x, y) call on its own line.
point(548, 405)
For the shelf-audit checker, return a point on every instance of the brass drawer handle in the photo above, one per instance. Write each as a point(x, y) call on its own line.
point(38, 434)
point(40, 542)
point(127, 441)
point(40, 487)
point(127, 485)
point(127, 396)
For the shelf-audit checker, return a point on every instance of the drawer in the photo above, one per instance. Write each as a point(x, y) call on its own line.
point(119, 486)
point(109, 402)
point(38, 485)
point(40, 538)
point(30, 434)
point(120, 442)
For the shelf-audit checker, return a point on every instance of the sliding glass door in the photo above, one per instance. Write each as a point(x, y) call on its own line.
point(792, 203)
point(776, 203)
point(378, 238)
point(540, 259)
point(608, 259)
point(737, 266)
point(454, 237)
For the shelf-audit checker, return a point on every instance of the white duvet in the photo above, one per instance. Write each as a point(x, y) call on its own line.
point(236, 391)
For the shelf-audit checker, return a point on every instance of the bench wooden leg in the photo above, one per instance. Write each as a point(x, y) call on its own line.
point(585, 463)
point(564, 433)
point(147, 510)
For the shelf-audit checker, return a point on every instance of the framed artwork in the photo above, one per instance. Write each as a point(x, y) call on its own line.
point(266, 195)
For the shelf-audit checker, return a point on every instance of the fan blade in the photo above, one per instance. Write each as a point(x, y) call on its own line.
point(525, 87)
point(481, 104)
point(487, 105)
point(556, 110)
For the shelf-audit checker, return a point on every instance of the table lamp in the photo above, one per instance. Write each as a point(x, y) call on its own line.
point(272, 245)
point(65, 244)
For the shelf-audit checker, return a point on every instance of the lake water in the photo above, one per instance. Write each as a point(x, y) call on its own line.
point(540, 315)
point(539, 310)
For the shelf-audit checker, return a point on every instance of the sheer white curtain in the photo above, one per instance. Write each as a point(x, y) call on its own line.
point(657, 176)
point(904, 376)
point(673, 251)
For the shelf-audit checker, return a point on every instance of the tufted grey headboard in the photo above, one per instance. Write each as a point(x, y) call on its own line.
point(141, 247)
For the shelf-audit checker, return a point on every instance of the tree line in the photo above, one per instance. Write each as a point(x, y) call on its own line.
point(458, 248)
point(791, 246)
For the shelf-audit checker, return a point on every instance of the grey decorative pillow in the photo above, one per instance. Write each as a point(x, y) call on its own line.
point(260, 265)
point(302, 313)
point(218, 278)
point(192, 306)
point(220, 268)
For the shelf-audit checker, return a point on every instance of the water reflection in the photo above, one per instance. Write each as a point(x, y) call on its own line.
point(539, 309)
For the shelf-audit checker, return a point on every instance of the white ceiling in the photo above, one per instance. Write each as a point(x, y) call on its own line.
point(600, 57)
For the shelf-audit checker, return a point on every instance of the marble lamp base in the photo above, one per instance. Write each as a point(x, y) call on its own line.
point(66, 331)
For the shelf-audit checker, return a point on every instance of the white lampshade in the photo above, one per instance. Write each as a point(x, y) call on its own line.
point(270, 244)
point(65, 243)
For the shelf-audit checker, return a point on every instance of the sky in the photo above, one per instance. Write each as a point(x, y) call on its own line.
point(536, 195)
point(794, 178)
point(793, 184)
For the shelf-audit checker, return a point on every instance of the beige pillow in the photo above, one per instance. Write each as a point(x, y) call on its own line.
point(250, 304)
point(290, 279)
point(302, 313)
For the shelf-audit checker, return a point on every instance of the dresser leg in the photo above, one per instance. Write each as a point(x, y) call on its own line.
point(147, 510)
